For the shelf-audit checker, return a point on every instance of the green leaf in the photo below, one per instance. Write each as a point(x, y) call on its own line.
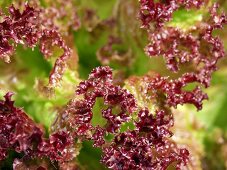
point(89, 157)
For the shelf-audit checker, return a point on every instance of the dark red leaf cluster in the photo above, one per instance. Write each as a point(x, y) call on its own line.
point(27, 28)
point(146, 147)
point(167, 43)
point(49, 39)
point(178, 47)
point(197, 46)
point(20, 27)
point(174, 91)
point(100, 84)
point(18, 132)
point(157, 13)
point(166, 93)
point(60, 15)
point(19, 164)
point(118, 105)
